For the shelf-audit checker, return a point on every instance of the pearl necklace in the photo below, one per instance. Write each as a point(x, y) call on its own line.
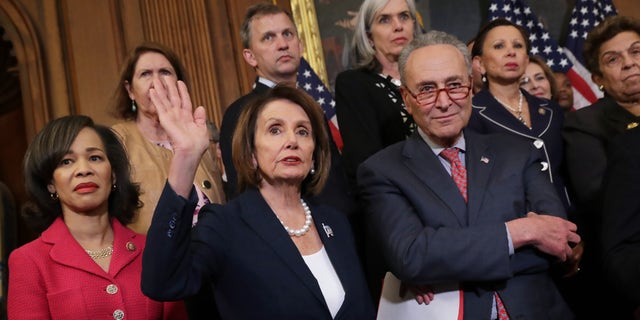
point(102, 253)
point(307, 222)
point(518, 111)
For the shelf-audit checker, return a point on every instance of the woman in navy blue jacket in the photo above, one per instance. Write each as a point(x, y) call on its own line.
point(268, 254)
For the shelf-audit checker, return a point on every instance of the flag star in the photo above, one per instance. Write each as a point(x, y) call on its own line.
point(321, 101)
point(583, 10)
point(534, 50)
point(519, 22)
point(307, 73)
point(564, 62)
point(333, 103)
point(320, 88)
point(585, 23)
point(573, 34)
point(550, 63)
point(527, 11)
point(584, 35)
point(573, 21)
point(516, 11)
point(493, 8)
point(545, 36)
point(307, 86)
point(506, 8)
point(608, 9)
point(533, 37)
point(547, 49)
point(530, 24)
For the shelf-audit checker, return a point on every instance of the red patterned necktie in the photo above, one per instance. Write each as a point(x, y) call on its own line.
point(502, 312)
point(458, 171)
point(459, 175)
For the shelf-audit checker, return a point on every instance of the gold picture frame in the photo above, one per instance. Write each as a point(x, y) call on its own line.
point(306, 20)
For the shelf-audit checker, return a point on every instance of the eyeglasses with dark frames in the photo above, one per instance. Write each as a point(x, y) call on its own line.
point(428, 96)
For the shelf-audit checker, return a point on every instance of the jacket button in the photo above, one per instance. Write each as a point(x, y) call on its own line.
point(538, 143)
point(112, 289)
point(118, 314)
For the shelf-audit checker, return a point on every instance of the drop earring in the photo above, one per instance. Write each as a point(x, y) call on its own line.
point(134, 108)
point(601, 87)
point(313, 170)
point(484, 79)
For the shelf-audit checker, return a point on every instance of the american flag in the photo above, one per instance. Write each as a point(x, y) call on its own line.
point(543, 45)
point(309, 81)
point(585, 16)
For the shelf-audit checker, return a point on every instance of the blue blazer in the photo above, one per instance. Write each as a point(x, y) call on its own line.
point(256, 269)
point(547, 118)
point(429, 235)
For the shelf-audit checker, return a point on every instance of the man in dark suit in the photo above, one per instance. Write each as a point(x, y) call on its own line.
point(273, 49)
point(495, 228)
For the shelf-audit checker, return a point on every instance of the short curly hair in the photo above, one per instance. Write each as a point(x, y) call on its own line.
point(603, 32)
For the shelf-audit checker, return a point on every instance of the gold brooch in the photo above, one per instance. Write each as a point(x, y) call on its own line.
point(632, 125)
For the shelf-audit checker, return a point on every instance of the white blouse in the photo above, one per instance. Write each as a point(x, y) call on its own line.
point(327, 278)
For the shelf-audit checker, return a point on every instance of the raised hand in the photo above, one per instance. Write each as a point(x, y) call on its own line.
point(187, 131)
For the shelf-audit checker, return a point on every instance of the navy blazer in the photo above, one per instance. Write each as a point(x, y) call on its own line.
point(256, 270)
point(428, 234)
point(547, 118)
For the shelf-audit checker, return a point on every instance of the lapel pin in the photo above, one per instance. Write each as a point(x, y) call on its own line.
point(131, 246)
point(484, 160)
point(542, 111)
point(632, 125)
point(327, 230)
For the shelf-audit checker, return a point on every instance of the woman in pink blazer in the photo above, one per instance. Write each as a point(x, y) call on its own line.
point(86, 264)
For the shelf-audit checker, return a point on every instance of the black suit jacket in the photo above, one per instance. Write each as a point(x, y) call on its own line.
point(428, 234)
point(621, 217)
point(336, 192)
point(229, 121)
point(256, 269)
point(368, 109)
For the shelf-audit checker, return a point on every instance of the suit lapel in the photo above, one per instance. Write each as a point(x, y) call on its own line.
point(419, 158)
point(479, 163)
point(490, 109)
point(67, 251)
point(258, 215)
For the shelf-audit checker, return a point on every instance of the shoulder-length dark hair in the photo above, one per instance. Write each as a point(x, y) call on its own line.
point(244, 139)
point(603, 32)
point(121, 103)
point(45, 153)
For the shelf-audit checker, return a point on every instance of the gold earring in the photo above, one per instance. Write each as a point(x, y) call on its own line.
point(601, 87)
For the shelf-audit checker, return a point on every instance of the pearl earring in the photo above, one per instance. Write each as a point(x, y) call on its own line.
point(133, 106)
